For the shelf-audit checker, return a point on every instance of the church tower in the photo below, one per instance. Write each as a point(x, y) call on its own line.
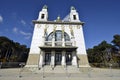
point(57, 42)
point(43, 15)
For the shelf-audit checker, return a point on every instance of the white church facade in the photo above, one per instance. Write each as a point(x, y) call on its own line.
point(58, 42)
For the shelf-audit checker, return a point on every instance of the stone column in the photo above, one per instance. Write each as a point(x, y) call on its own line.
point(74, 59)
point(41, 60)
point(63, 62)
point(52, 59)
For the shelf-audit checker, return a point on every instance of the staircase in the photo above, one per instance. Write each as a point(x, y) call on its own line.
point(60, 69)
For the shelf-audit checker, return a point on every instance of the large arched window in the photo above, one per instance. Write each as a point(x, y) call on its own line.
point(58, 36)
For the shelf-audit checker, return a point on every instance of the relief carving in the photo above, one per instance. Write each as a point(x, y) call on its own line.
point(54, 29)
point(63, 30)
point(71, 30)
point(38, 25)
point(45, 30)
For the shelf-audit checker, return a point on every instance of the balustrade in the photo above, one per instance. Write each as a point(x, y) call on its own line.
point(59, 43)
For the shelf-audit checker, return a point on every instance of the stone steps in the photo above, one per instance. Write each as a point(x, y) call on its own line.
point(60, 69)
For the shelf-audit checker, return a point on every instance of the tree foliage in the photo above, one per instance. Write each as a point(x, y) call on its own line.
point(116, 41)
point(105, 53)
point(12, 52)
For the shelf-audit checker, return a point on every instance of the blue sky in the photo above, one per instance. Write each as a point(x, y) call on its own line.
point(101, 17)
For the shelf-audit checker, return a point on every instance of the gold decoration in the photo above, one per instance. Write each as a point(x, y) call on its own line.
point(38, 25)
point(54, 29)
point(63, 30)
point(45, 30)
point(71, 30)
point(78, 27)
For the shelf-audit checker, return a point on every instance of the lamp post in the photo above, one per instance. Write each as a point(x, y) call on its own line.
point(21, 67)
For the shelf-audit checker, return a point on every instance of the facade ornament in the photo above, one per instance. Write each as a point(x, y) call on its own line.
point(72, 8)
point(45, 30)
point(54, 29)
point(58, 19)
point(45, 7)
point(38, 26)
point(78, 27)
point(71, 31)
point(63, 30)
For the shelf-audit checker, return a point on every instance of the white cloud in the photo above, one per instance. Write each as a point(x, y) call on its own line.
point(27, 35)
point(15, 30)
point(23, 22)
point(24, 33)
point(18, 31)
point(1, 19)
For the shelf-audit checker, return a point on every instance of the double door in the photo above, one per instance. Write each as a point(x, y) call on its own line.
point(68, 58)
point(58, 58)
point(47, 58)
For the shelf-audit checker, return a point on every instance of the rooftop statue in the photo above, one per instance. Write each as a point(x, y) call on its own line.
point(72, 8)
point(45, 7)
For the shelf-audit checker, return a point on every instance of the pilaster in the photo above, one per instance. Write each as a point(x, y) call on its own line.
point(41, 60)
point(52, 58)
point(74, 60)
point(63, 59)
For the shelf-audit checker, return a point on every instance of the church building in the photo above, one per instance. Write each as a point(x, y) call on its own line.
point(58, 42)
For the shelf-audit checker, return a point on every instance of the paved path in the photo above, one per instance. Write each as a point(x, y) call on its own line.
point(91, 74)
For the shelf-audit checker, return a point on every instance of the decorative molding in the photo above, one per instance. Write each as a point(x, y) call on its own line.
point(62, 23)
point(78, 26)
point(71, 30)
point(63, 30)
point(45, 30)
point(38, 25)
point(54, 28)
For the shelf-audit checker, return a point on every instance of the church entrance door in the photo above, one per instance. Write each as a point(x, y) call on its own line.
point(58, 58)
point(47, 58)
point(68, 58)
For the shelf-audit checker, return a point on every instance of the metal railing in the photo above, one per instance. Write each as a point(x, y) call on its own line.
point(48, 43)
point(58, 43)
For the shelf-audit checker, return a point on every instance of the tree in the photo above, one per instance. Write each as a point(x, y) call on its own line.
point(5, 49)
point(116, 41)
point(12, 52)
point(98, 54)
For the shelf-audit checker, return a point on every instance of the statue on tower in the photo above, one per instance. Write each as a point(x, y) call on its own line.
point(72, 8)
point(45, 7)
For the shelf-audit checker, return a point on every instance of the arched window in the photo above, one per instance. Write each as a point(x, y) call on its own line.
point(58, 36)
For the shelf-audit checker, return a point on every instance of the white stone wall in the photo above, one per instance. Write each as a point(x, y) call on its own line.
point(38, 34)
point(79, 38)
point(37, 39)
